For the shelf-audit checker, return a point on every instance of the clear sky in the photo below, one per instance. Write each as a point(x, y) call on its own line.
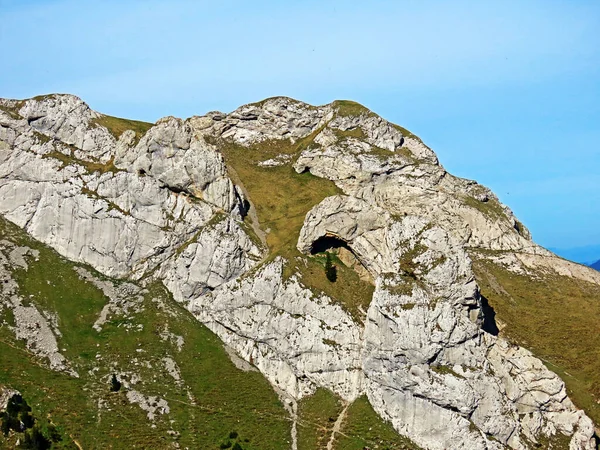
point(506, 92)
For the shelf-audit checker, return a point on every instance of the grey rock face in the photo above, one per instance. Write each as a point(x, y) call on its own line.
point(298, 340)
point(216, 255)
point(122, 222)
point(412, 182)
point(429, 367)
point(166, 209)
point(172, 154)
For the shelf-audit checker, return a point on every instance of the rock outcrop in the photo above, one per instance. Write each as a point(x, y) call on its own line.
point(164, 206)
point(39, 329)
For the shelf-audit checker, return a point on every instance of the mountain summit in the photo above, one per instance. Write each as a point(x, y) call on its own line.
point(326, 248)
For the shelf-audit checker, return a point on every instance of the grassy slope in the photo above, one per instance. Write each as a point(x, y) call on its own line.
point(282, 198)
point(556, 318)
point(224, 398)
point(361, 428)
point(251, 408)
point(317, 415)
point(364, 429)
point(117, 126)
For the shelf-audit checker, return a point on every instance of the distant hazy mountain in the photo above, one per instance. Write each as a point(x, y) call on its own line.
point(583, 255)
point(595, 265)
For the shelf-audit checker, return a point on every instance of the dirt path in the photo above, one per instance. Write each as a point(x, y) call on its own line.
point(76, 443)
point(337, 426)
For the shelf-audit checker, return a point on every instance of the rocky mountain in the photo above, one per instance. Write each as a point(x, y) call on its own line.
point(127, 247)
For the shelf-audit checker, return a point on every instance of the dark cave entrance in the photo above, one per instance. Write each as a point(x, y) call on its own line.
point(328, 242)
point(343, 252)
point(489, 317)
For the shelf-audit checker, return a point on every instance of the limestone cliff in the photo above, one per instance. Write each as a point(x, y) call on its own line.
point(177, 201)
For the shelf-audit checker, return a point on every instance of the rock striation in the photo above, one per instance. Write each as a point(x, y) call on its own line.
point(164, 206)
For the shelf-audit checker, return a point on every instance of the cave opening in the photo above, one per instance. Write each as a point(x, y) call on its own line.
point(325, 243)
point(344, 253)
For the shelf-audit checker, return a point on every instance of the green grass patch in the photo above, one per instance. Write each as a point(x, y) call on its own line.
point(111, 205)
point(491, 208)
point(445, 370)
point(90, 166)
point(356, 133)
point(117, 126)
point(557, 442)
point(216, 400)
point(556, 318)
point(13, 112)
point(261, 103)
point(349, 291)
point(406, 133)
point(316, 416)
point(347, 108)
point(41, 98)
point(282, 198)
point(363, 428)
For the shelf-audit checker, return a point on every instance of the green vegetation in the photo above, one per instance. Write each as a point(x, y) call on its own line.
point(383, 154)
point(262, 102)
point(316, 416)
point(407, 260)
point(217, 398)
point(233, 441)
point(17, 416)
point(352, 293)
point(363, 428)
point(40, 98)
point(118, 126)
point(347, 108)
point(356, 133)
point(111, 205)
point(406, 133)
point(556, 317)
point(282, 198)
point(557, 442)
point(18, 424)
point(490, 208)
point(445, 370)
point(330, 269)
point(13, 112)
point(90, 166)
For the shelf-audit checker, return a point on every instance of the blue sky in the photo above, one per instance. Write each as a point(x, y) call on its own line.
point(506, 92)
